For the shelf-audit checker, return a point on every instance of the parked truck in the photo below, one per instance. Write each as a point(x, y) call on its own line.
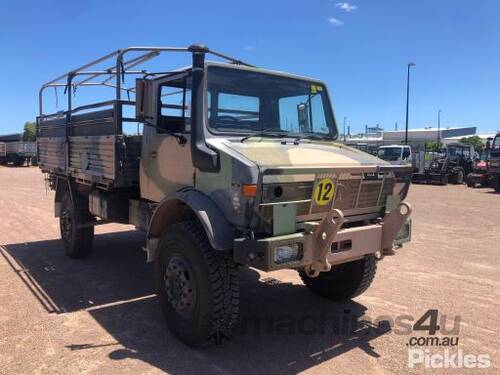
point(395, 154)
point(19, 153)
point(494, 167)
point(237, 166)
point(3, 153)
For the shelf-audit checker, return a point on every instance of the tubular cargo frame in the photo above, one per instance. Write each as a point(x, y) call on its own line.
point(87, 142)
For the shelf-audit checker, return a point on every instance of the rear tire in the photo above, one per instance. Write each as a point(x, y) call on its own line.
point(19, 161)
point(77, 241)
point(197, 286)
point(497, 184)
point(344, 281)
point(444, 179)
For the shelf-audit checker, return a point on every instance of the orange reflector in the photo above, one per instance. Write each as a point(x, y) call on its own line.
point(249, 190)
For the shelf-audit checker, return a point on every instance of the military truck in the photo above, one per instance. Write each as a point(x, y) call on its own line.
point(19, 153)
point(236, 166)
point(494, 167)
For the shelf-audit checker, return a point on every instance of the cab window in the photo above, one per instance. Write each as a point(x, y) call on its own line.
point(175, 106)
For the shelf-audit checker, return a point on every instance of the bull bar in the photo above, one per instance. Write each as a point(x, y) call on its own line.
point(320, 245)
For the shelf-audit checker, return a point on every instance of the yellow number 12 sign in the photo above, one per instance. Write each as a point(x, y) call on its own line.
point(323, 193)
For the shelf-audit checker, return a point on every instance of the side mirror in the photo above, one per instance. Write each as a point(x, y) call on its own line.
point(143, 99)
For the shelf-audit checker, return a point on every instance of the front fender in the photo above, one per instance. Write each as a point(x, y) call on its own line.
point(189, 204)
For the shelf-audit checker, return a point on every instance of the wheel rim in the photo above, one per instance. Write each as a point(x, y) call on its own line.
point(179, 285)
point(66, 225)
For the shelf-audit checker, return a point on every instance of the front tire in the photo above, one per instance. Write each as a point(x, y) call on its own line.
point(344, 281)
point(470, 181)
point(197, 286)
point(458, 177)
point(78, 241)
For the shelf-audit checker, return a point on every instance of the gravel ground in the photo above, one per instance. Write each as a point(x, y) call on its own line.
point(99, 315)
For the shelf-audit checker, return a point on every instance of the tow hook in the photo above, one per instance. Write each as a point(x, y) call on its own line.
point(322, 237)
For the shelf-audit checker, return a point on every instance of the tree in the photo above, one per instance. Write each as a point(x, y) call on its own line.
point(474, 141)
point(29, 131)
point(433, 146)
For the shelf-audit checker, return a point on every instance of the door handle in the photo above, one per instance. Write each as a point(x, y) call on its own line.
point(154, 154)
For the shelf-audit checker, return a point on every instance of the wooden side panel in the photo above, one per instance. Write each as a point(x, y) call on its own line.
point(93, 155)
point(52, 154)
point(109, 160)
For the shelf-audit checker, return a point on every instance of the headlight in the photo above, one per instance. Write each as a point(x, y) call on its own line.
point(288, 253)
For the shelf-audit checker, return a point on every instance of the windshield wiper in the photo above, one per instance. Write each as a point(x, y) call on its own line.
point(312, 135)
point(273, 132)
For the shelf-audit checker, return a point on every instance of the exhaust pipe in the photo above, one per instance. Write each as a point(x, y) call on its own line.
point(204, 158)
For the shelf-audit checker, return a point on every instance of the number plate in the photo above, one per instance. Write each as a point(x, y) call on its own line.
point(323, 193)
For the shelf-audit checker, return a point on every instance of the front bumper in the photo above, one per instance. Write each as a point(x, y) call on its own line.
point(324, 244)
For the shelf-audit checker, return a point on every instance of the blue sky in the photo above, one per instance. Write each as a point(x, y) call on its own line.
point(359, 48)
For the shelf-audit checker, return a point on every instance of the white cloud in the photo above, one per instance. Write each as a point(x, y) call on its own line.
point(249, 48)
point(335, 21)
point(346, 6)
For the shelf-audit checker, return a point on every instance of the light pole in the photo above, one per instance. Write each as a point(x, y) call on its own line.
point(407, 99)
point(439, 129)
point(345, 118)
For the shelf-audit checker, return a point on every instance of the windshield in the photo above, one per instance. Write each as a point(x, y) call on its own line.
point(390, 153)
point(246, 102)
point(457, 151)
point(484, 154)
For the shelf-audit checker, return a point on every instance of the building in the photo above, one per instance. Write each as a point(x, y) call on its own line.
point(417, 138)
point(11, 137)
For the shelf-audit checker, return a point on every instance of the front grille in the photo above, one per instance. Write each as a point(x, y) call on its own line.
point(371, 193)
point(352, 191)
point(368, 195)
point(347, 193)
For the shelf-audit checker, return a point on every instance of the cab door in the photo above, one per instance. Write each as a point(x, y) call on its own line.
point(166, 165)
point(407, 156)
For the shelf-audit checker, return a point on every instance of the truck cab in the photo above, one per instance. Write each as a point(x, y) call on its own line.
point(236, 166)
point(396, 154)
